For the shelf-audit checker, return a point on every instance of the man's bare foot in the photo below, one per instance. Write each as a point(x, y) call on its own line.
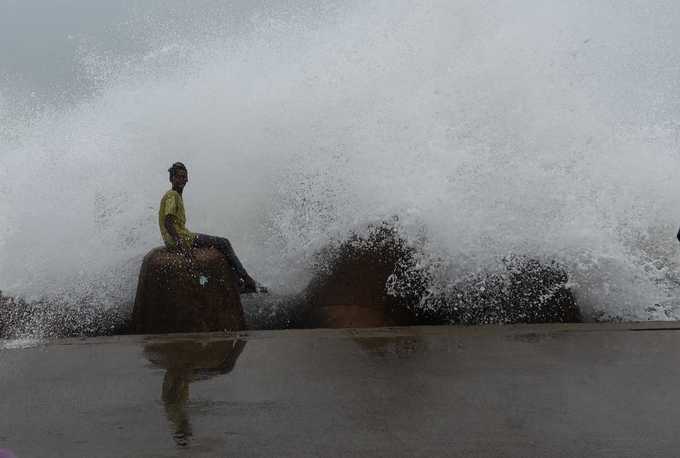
point(251, 286)
point(262, 289)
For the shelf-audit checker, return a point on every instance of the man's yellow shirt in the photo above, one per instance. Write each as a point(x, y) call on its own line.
point(172, 204)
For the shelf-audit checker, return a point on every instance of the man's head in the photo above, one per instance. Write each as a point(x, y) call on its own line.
point(178, 176)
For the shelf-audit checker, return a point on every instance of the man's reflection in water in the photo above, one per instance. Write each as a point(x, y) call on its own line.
point(186, 362)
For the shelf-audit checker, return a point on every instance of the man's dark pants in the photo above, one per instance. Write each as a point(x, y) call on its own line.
point(224, 246)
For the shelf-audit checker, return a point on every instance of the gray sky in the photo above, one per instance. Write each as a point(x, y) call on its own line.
point(41, 41)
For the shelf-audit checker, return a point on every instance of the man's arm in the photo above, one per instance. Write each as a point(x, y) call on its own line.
point(169, 223)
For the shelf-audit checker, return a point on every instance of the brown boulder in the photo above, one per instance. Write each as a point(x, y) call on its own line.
point(374, 280)
point(174, 296)
point(351, 292)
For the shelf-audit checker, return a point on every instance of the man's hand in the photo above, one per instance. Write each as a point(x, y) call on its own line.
point(251, 286)
point(188, 255)
point(185, 250)
point(180, 245)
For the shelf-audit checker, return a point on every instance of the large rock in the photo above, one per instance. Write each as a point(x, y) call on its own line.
point(376, 281)
point(174, 296)
point(350, 291)
point(526, 291)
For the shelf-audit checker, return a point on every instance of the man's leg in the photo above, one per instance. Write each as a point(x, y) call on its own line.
point(224, 246)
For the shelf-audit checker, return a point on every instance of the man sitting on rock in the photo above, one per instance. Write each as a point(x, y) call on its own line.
point(172, 221)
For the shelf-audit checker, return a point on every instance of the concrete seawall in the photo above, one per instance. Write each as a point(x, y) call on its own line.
point(531, 390)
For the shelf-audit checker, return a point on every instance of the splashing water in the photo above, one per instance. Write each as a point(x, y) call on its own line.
point(548, 129)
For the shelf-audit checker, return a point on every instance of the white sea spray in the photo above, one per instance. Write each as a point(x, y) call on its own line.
point(546, 128)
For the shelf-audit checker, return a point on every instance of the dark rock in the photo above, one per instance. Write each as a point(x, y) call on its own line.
point(174, 296)
point(350, 288)
point(376, 281)
point(527, 291)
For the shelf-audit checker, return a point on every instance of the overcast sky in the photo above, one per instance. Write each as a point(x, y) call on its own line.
point(42, 41)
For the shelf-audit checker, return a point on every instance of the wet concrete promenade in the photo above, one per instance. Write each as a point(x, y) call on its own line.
point(540, 390)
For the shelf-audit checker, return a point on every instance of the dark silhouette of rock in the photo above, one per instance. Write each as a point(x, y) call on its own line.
point(350, 288)
point(375, 281)
point(527, 291)
point(174, 295)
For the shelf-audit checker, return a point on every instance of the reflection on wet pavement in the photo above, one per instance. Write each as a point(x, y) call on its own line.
point(400, 347)
point(542, 390)
point(186, 362)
